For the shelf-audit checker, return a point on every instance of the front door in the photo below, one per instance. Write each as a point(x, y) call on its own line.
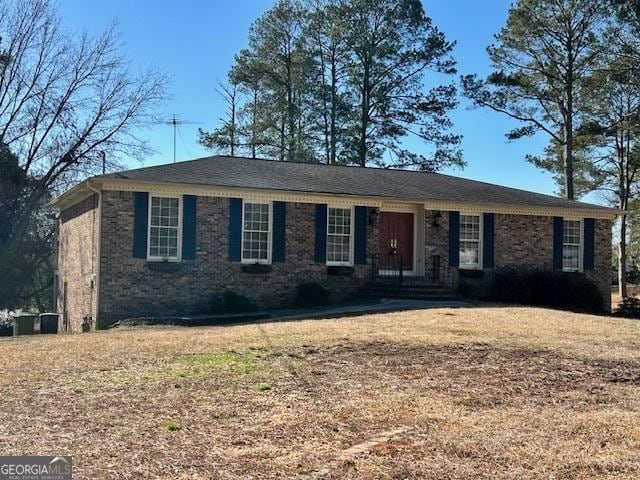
point(396, 240)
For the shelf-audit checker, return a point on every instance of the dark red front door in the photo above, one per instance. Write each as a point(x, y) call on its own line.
point(396, 238)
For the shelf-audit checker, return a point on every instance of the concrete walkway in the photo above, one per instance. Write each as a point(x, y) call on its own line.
point(384, 305)
point(287, 314)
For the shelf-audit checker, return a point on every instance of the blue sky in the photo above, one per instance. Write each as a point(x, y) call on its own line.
point(194, 41)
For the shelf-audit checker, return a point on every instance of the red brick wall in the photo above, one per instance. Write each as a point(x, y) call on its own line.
point(526, 241)
point(523, 240)
point(77, 247)
point(129, 288)
point(601, 273)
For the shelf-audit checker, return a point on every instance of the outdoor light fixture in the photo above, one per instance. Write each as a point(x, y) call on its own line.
point(437, 219)
point(374, 213)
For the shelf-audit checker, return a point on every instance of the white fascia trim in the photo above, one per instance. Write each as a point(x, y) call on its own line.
point(480, 208)
point(350, 200)
point(248, 194)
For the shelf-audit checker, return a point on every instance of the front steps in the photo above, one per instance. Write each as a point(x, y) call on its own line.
point(416, 288)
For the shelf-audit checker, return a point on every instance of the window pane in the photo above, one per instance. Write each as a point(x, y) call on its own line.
point(571, 242)
point(571, 257)
point(469, 253)
point(469, 227)
point(470, 240)
point(571, 232)
point(164, 227)
point(339, 235)
point(255, 235)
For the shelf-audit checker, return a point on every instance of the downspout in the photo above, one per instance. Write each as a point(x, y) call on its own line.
point(96, 280)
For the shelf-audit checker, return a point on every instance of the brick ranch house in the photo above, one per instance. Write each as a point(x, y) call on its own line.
point(165, 240)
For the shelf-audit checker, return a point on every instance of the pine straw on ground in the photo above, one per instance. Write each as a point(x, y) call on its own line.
point(479, 392)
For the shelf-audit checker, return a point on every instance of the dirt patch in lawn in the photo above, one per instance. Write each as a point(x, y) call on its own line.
point(435, 394)
point(481, 375)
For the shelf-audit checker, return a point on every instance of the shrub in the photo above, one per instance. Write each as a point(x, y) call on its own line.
point(231, 302)
point(465, 290)
point(311, 295)
point(6, 323)
point(510, 286)
point(629, 307)
point(569, 291)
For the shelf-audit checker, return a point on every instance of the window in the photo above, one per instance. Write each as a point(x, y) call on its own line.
point(256, 232)
point(164, 228)
point(571, 245)
point(339, 236)
point(470, 242)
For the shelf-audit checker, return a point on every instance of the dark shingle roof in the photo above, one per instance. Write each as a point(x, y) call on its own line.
point(239, 172)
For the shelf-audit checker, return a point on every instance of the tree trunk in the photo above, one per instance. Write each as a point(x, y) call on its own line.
point(622, 258)
point(291, 140)
point(233, 122)
point(325, 107)
point(568, 156)
point(334, 99)
point(568, 124)
point(254, 126)
point(283, 137)
point(364, 117)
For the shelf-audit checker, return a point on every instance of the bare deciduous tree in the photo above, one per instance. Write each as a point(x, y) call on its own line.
point(65, 98)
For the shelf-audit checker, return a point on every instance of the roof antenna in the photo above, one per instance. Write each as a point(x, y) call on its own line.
point(175, 122)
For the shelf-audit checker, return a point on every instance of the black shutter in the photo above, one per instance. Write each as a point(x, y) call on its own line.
point(360, 236)
point(279, 222)
point(235, 229)
point(558, 230)
point(589, 237)
point(189, 205)
point(488, 235)
point(321, 233)
point(454, 239)
point(140, 224)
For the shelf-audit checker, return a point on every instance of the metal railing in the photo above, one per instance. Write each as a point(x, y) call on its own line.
point(439, 272)
point(389, 267)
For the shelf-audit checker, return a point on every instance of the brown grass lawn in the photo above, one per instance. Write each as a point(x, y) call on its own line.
point(466, 393)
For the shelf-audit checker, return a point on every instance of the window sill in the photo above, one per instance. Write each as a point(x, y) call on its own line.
point(163, 266)
point(471, 272)
point(256, 267)
point(340, 270)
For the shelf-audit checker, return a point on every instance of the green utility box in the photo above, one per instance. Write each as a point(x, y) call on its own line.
point(23, 324)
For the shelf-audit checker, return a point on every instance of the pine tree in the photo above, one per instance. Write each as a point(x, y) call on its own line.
point(226, 138)
point(394, 43)
point(543, 56)
point(342, 81)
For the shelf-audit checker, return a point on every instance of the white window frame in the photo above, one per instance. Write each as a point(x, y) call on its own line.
point(480, 240)
point(178, 257)
point(351, 237)
point(580, 245)
point(253, 261)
